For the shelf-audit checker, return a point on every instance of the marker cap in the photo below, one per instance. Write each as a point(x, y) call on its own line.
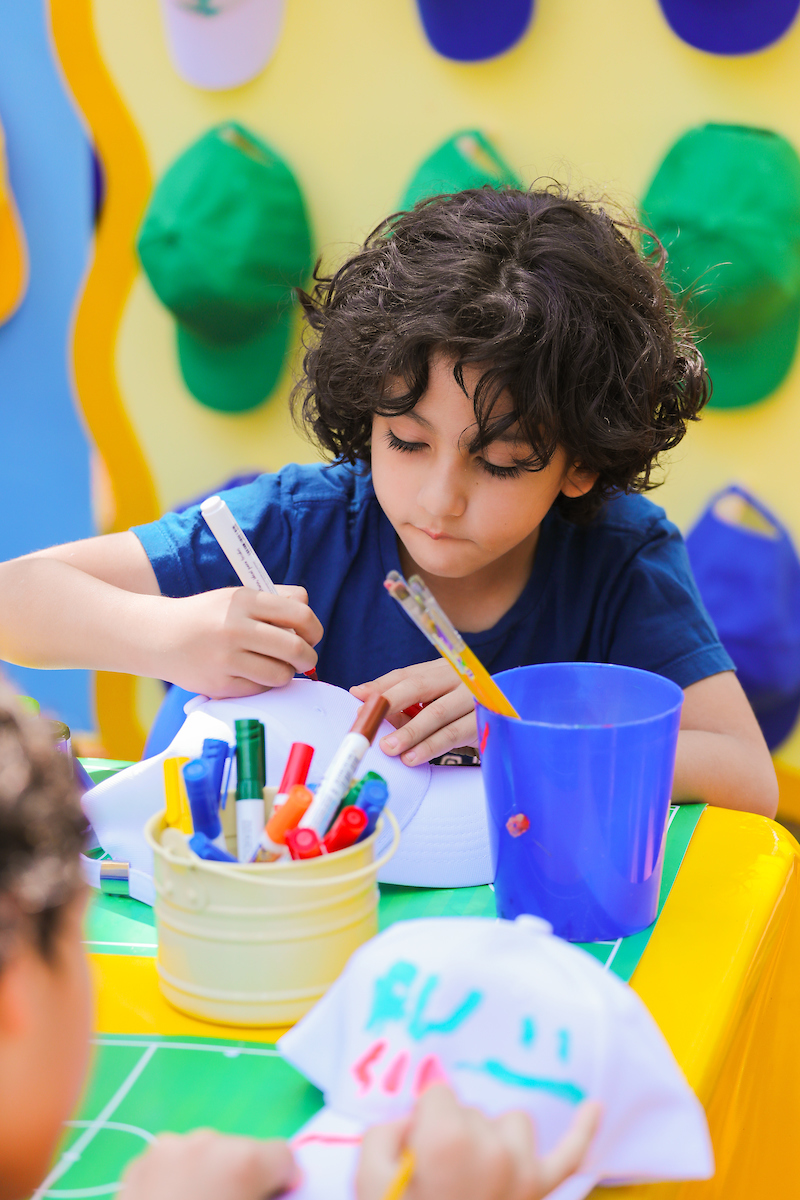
point(303, 843)
point(205, 848)
point(197, 776)
point(250, 759)
point(346, 829)
point(369, 717)
point(297, 765)
point(215, 752)
point(288, 815)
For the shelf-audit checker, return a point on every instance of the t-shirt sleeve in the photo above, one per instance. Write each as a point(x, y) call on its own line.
point(186, 557)
point(659, 622)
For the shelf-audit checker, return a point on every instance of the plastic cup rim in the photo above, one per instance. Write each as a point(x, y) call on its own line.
point(609, 726)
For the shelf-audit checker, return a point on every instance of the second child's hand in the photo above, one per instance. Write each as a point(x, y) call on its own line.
point(448, 719)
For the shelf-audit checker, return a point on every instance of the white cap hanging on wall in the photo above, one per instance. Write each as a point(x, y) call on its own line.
point(219, 44)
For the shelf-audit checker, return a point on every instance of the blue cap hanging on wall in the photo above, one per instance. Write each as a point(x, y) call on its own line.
point(730, 26)
point(748, 574)
point(474, 30)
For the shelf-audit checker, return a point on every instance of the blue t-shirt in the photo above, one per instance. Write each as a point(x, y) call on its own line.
point(617, 591)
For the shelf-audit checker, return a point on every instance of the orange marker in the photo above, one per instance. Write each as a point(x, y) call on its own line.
point(273, 839)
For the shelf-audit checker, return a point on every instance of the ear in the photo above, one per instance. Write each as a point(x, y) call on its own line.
point(578, 481)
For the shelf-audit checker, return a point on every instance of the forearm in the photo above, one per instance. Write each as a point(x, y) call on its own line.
point(53, 615)
point(725, 771)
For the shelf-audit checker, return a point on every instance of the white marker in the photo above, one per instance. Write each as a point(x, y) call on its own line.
point(235, 546)
point(339, 775)
point(240, 554)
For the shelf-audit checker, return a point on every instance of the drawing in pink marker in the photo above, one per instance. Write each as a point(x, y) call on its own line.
point(429, 1071)
point(393, 1079)
point(326, 1139)
point(360, 1069)
point(484, 737)
point(518, 824)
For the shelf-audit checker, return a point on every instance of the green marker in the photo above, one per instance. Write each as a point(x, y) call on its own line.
point(251, 771)
point(352, 795)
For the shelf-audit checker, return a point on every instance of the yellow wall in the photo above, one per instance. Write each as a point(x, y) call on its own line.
point(355, 97)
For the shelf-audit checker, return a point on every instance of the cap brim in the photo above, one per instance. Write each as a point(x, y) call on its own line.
point(742, 28)
point(747, 371)
point(14, 259)
point(222, 49)
point(471, 30)
point(234, 377)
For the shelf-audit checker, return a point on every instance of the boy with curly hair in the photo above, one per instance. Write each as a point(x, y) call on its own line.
point(495, 374)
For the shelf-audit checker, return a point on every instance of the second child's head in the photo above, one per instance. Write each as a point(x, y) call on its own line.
point(492, 353)
point(45, 1000)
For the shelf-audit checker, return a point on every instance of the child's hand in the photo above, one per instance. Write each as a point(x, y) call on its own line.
point(448, 719)
point(208, 1166)
point(236, 642)
point(462, 1155)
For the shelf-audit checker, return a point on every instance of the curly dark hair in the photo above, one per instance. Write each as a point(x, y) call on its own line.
point(549, 292)
point(42, 828)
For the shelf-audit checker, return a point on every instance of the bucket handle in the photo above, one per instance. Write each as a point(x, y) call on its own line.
point(372, 868)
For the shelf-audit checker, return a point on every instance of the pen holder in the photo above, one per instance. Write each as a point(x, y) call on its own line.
point(259, 943)
point(578, 792)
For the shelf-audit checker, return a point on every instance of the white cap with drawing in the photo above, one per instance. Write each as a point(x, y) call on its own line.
point(510, 1017)
point(218, 44)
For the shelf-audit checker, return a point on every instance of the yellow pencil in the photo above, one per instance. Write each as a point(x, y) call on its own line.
point(397, 1187)
point(420, 604)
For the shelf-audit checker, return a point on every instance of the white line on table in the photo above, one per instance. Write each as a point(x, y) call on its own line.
point(74, 1153)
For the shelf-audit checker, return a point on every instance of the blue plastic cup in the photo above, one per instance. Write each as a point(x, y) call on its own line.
point(578, 795)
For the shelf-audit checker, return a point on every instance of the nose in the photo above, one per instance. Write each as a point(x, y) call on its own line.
point(443, 492)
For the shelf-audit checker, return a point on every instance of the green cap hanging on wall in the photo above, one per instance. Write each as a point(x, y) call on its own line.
point(725, 202)
point(224, 241)
point(466, 160)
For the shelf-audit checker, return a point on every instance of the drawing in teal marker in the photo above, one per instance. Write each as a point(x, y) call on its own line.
point(528, 1032)
point(570, 1092)
point(389, 1002)
point(418, 1027)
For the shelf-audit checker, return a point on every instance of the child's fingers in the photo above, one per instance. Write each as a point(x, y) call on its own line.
point(421, 682)
point(269, 641)
point(446, 722)
point(381, 1148)
point(209, 1166)
point(570, 1152)
point(281, 611)
point(292, 592)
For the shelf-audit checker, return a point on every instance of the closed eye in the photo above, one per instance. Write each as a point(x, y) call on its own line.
point(396, 443)
point(496, 472)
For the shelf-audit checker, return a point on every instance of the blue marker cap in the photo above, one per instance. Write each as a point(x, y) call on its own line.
point(372, 798)
point(205, 848)
point(215, 752)
point(198, 776)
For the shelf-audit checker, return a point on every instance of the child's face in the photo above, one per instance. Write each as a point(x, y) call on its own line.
point(45, 1025)
point(455, 512)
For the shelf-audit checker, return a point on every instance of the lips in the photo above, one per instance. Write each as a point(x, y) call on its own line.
point(433, 534)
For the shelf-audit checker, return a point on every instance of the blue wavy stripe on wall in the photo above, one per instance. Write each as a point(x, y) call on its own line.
point(44, 468)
